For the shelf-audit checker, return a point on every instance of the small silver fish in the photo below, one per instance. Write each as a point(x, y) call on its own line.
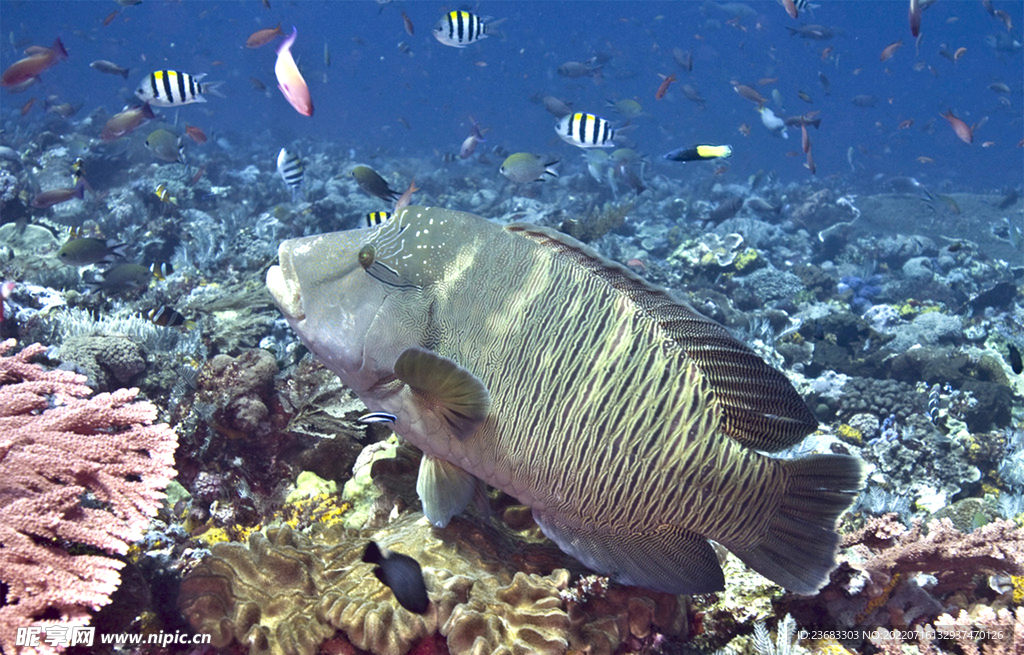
point(104, 66)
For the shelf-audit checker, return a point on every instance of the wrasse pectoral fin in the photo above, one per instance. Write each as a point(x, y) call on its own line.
point(444, 488)
point(445, 389)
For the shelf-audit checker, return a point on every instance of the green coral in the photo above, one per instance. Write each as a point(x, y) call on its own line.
point(747, 258)
point(360, 490)
point(310, 485)
point(850, 434)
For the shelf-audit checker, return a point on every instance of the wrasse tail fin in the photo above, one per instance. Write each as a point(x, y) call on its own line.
point(799, 549)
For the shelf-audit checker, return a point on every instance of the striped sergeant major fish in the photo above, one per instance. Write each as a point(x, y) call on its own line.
point(459, 28)
point(586, 131)
point(517, 357)
point(174, 88)
point(373, 219)
point(289, 167)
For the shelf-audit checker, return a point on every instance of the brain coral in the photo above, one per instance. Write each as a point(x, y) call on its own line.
point(286, 592)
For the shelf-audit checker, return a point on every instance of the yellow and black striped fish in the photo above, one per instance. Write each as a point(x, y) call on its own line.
point(160, 270)
point(77, 170)
point(165, 316)
point(373, 219)
point(164, 195)
point(174, 88)
point(460, 28)
point(586, 131)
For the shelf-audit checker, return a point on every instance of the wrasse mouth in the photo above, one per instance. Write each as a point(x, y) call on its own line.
point(285, 289)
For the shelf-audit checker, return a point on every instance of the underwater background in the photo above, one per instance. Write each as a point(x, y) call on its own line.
point(863, 235)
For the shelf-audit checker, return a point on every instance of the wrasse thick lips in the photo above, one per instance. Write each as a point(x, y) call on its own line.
point(286, 292)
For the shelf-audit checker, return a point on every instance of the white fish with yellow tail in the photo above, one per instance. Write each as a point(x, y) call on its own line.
point(290, 80)
point(517, 357)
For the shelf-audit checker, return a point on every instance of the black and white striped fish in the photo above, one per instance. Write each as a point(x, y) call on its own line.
point(174, 88)
point(586, 131)
point(289, 167)
point(460, 28)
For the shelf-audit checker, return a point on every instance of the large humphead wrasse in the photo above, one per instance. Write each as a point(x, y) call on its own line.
point(629, 423)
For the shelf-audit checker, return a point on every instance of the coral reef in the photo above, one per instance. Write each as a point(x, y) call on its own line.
point(287, 592)
point(80, 479)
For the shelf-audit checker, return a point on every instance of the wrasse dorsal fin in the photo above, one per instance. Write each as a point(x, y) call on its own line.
point(440, 386)
point(444, 488)
point(760, 408)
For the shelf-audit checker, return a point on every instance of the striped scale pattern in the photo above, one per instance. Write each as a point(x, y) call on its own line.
point(609, 424)
point(761, 409)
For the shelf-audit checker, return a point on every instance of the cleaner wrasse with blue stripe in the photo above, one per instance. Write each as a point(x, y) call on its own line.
point(517, 357)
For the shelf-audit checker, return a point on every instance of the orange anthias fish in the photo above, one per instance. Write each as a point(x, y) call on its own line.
point(663, 88)
point(260, 38)
point(890, 50)
point(406, 198)
point(195, 133)
point(750, 94)
point(290, 80)
point(39, 60)
point(961, 128)
point(123, 123)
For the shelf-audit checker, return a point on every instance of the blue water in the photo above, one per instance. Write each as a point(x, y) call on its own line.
point(371, 87)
